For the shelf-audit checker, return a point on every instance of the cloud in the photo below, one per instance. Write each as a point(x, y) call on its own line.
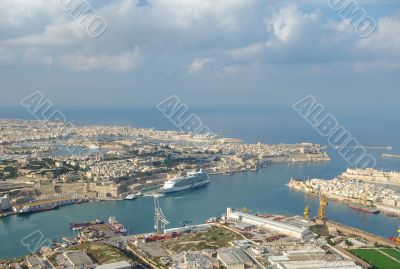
point(230, 32)
point(291, 35)
point(226, 14)
point(61, 34)
point(197, 65)
point(290, 23)
point(386, 65)
point(386, 39)
point(250, 51)
point(245, 70)
point(19, 13)
point(122, 62)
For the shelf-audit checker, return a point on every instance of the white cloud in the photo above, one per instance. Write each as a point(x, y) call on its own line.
point(185, 13)
point(230, 32)
point(122, 62)
point(18, 13)
point(62, 34)
point(290, 23)
point(386, 38)
point(249, 51)
point(197, 65)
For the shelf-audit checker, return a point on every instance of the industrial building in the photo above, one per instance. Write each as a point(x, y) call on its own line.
point(283, 228)
point(310, 258)
point(4, 203)
point(191, 228)
point(194, 260)
point(79, 259)
point(33, 262)
point(234, 258)
point(115, 265)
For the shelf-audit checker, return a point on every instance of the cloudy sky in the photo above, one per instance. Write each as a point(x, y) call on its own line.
point(207, 52)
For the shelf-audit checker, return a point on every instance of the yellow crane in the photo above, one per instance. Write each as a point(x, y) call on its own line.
point(322, 208)
point(398, 231)
point(396, 239)
point(307, 213)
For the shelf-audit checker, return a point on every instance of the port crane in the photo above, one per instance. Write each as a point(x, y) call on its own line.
point(160, 221)
point(396, 240)
point(322, 208)
point(307, 213)
point(398, 237)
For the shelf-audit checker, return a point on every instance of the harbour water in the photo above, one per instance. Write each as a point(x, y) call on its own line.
point(264, 190)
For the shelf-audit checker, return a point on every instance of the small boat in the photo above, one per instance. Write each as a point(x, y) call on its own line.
point(212, 220)
point(130, 197)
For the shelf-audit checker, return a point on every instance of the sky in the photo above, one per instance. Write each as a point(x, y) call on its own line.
point(209, 53)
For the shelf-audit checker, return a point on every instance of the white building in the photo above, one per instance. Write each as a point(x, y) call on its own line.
point(115, 265)
point(310, 258)
point(290, 230)
point(4, 203)
point(234, 258)
point(193, 260)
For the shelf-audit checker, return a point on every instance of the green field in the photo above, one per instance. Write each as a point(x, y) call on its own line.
point(375, 258)
point(212, 238)
point(392, 252)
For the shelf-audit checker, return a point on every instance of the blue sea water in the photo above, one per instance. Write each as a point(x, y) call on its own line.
point(264, 190)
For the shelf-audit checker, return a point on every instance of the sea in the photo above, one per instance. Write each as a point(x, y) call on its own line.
point(260, 191)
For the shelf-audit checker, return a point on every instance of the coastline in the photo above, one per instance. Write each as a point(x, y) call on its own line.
point(387, 210)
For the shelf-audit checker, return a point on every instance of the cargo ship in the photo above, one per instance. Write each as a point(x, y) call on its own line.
point(27, 209)
point(192, 180)
point(364, 208)
point(44, 205)
point(81, 226)
point(120, 228)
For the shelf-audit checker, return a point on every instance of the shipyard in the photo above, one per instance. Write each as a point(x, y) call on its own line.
point(235, 239)
point(360, 189)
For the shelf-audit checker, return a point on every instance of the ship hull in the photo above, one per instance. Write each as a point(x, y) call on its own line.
point(44, 209)
point(186, 187)
point(365, 209)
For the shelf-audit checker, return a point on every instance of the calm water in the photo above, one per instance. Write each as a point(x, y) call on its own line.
point(264, 190)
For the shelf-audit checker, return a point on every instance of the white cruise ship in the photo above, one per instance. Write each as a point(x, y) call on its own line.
point(190, 181)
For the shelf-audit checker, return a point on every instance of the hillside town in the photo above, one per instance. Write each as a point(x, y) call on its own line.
point(364, 189)
point(40, 165)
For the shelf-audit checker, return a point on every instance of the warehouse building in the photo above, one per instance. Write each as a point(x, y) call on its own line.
point(283, 228)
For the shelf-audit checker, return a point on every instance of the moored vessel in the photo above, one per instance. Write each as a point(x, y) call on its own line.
point(118, 227)
point(191, 180)
point(80, 226)
point(130, 197)
point(364, 208)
